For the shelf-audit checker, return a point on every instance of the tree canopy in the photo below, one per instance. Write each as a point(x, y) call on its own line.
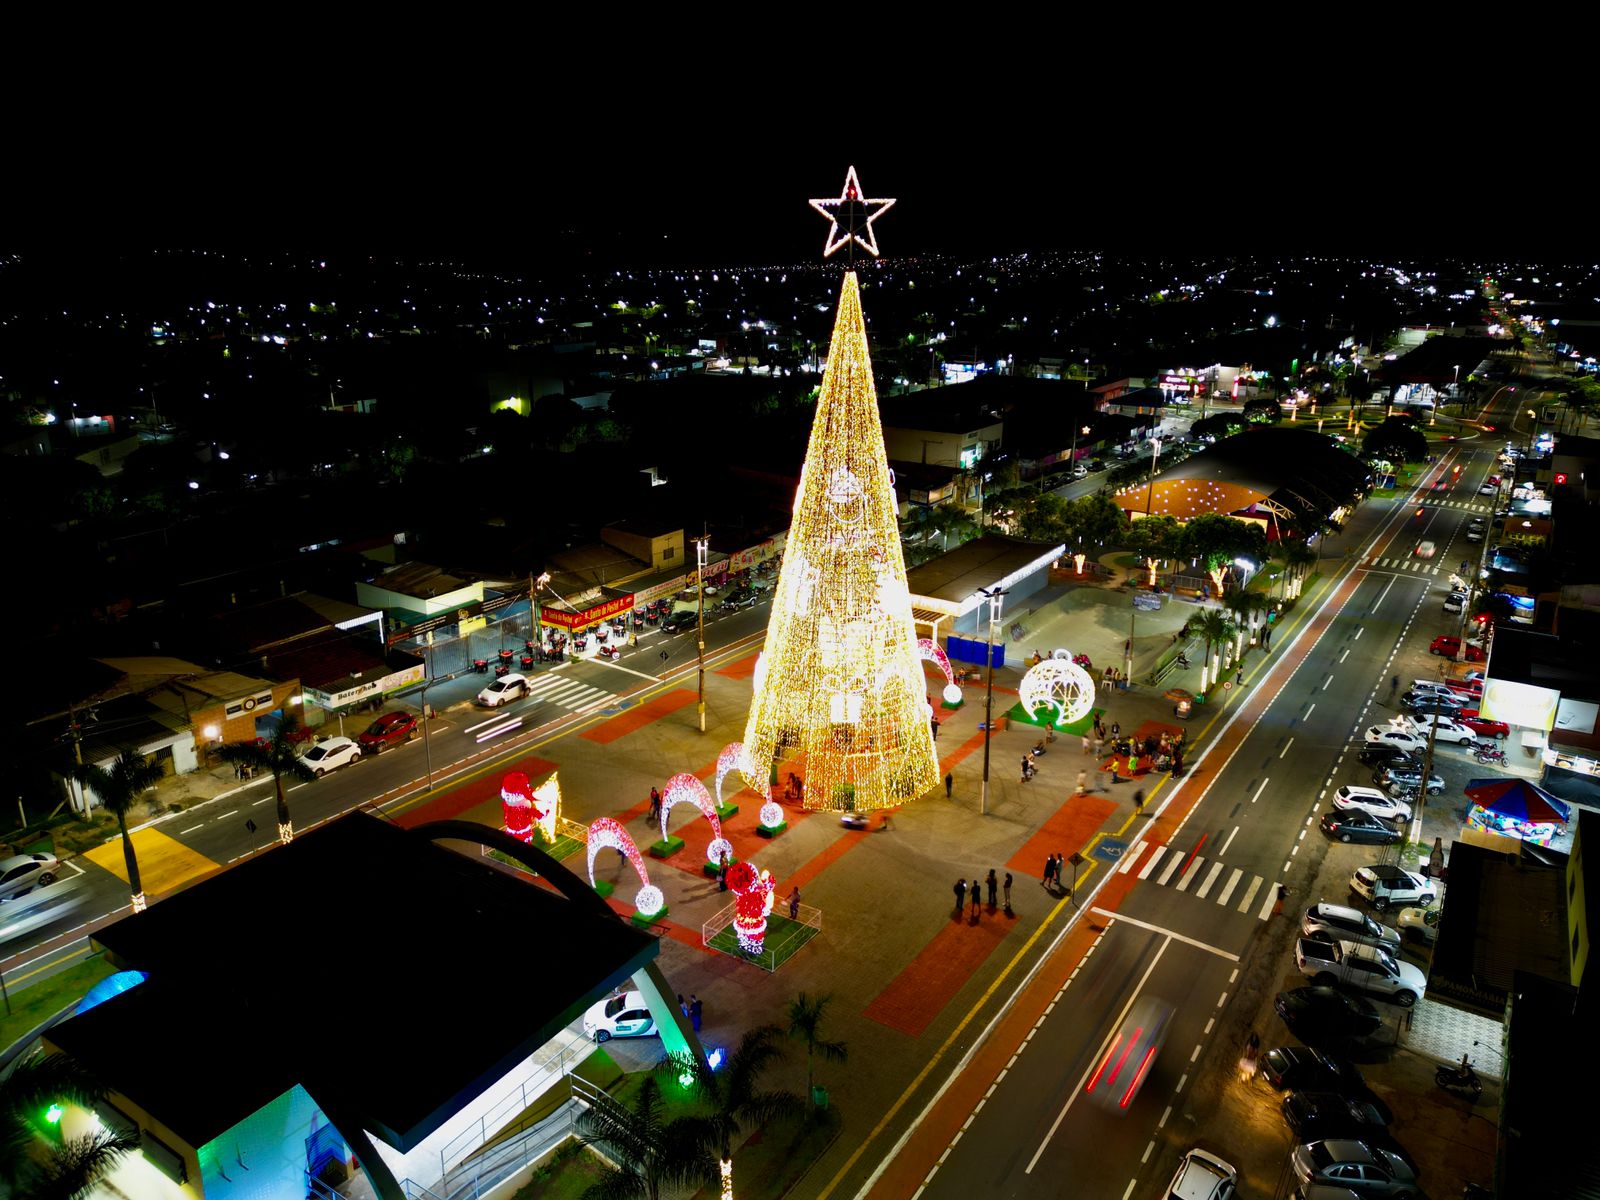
point(1397, 440)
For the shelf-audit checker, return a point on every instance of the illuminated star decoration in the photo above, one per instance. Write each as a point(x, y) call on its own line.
point(852, 217)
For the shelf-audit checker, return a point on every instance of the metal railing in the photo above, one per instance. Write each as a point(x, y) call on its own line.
point(773, 945)
point(544, 1072)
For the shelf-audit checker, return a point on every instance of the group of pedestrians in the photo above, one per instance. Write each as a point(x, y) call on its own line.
point(692, 1008)
point(975, 889)
point(1052, 873)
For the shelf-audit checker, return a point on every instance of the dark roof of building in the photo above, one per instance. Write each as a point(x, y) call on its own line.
point(922, 476)
point(980, 563)
point(647, 525)
point(255, 628)
point(1544, 660)
point(1503, 913)
point(959, 408)
point(331, 663)
point(1436, 360)
point(1548, 1034)
point(422, 581)
point(1301, 469)
point(392, 977)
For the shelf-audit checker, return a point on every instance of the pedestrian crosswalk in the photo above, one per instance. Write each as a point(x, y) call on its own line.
point(1420, 566)
point(1463, 505)
point(1200, 877)
point(556, 688)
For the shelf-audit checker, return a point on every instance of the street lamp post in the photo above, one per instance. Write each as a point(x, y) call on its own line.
point(1133, 613)
point(995, 597)
point(700, 547)
point(535, 586)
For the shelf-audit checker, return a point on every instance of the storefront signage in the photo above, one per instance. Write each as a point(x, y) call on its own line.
point(261, 701)
point(389, 683)
point(745, 559)
point(668, 587)
point(583, 618)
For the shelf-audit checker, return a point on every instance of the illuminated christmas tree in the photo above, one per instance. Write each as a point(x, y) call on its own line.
point(840, 681)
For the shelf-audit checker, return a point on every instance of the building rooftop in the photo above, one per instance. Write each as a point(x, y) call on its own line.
point(423, 581)
point(983, 562)
point(394, 978)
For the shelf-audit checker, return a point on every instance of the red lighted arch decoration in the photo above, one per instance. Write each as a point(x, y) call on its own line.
point(685, 788)
point(606, 833)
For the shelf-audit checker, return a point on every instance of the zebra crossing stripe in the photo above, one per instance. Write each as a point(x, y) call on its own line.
point(1268, 903)
point(1250, 894)
point(1144, 872)
point(1233, 882)
point(1211, 877)
point(1172, 865)
point(1131, 857)
point(1188, 875)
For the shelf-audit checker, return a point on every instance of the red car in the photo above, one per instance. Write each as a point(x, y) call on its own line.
point(1449, 646)
point(1471, 687)
point(1483, 728)
point(388, 730)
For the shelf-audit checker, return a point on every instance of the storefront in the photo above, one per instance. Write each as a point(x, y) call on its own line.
point(576, 620)
point(344, 699)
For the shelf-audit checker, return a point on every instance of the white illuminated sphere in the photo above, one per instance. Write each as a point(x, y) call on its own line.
point(717, 848)
point(771, 814)
point(1060, 683)
point(952, 693)
point(649, 901)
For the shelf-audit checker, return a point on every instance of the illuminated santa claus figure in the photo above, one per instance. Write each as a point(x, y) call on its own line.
point(516, 803)
point(750, 909)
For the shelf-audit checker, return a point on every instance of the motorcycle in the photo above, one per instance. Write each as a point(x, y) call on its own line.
point(502, 669)
point(609, 651)
point(1460, 1080)
point(1489, 756)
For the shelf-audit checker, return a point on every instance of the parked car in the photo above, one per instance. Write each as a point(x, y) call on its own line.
point(1475, 534)
point(1449, 646)
point(1366, 1170)
point(1203, 1176)
point(1429, 685)
point(21, 873)
point(1372, 801)
point(623, 1015)
point(1408, 779)
point(1394, 735)
point(389, 730)
point(1488, 489)
point(504, 690)
point(1420, 924)
point(1447, 729)
point(1383, 884)
point(1340, 923)
point(1454, 602)
point(1356, 825)
point(1312, 1115)
point(1378, 754)
point(1445, 701)
point(1365, 968)
point(1301, 1067)
point(1122, 1072)
point(1482, 726)
point(739, 600)
point(330, 754)
point(1324, 1012)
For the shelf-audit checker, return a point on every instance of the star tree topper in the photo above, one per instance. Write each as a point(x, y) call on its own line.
point(852, 217)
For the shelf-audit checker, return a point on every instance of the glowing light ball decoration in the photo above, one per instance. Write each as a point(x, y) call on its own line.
point(686, 789)
point(752, 905)
point(771, 814)
point(841, 681)
point(732, 759)
point(604, 834)
point(1060, 684)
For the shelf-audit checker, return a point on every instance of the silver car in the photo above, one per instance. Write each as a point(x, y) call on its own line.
point(1364, 1169)
point(1340, 923)
point(21, 873)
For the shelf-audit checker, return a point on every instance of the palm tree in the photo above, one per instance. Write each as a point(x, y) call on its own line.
point(72, 1168)
point(130, 776)
point(732, 1094)
point(1213, 627)
point(805, 1023)
point(651, 1152)
point(1296, 559)
point(281, 757)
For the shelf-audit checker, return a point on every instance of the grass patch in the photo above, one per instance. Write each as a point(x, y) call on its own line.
point(558, 850)
point(1071, 729)
point(39, 1001)
point(773, 1159)
point(784, 938)
point(570, 1171)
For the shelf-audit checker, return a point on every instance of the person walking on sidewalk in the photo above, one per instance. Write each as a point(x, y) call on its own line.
point(1114, 778)
point(1138, 802)
point(1238, 677)
point(961, 894)
point(1086, 744)
point(1049, 869)
point(993, 885)
point(722, 874)
point(794, 905)
point(655, 806)
point(1083, 782)
point(1394, 686)
point(977, 898)
point(696, 1009)
point(1008, 891)
point(949, 784)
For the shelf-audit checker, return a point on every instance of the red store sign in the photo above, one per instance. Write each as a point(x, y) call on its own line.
point(588, 616)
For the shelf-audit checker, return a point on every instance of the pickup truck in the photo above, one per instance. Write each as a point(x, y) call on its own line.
point(1383, 885)
point(1367, 968)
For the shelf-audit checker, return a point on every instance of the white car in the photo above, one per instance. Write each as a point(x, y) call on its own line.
point(1449, 729)
point(1203, 1176)
point(330, 754)
point(1475, 534)
point(1454, 601)
point(503, 691)
point(1420, 924)
point(21, 873)
point(623, 1015)
point(1488, 489)
point(1371, 800)
point(1393, 735)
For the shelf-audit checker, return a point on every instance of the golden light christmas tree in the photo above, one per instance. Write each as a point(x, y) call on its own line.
point(840, 681)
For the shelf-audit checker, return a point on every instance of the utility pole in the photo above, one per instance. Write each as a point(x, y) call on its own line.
point(534, 587)
point(700, 547)
point(995, 597)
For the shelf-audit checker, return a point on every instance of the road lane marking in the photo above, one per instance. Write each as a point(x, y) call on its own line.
point(1250, 894)
point(1131, 857)
point(191, 829)
point(1326, 682)
point(1229, 842)
point(1104, 1045)
point(1310, 710)
point(1282, 752)
point(1263, 786)
point(1144, 872)
point(1113, 918)
point(1268, 903)
point(1211, 877)
point(1189, 873)
point(1172, 865)
point(1233, 882)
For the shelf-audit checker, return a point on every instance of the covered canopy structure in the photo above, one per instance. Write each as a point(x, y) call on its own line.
point(1287, 478)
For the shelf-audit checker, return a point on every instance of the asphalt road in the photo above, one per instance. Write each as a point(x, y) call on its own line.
point(1179, 934)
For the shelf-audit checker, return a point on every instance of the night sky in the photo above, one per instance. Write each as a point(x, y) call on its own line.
point(1125, 166)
